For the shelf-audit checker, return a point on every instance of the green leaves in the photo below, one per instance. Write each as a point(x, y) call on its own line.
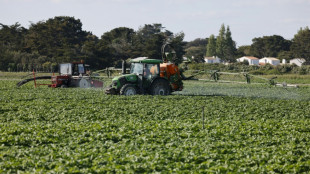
point(269, 46)
point(301, 43)
point(85, 131)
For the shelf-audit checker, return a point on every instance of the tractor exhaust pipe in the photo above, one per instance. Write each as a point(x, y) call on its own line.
point(123, 67)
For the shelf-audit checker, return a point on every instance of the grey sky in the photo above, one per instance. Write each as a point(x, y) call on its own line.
point(196, 18)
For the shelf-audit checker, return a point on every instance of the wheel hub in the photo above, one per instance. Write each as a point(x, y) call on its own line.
point(84, 83)
point(130, 91)
point(161, 91)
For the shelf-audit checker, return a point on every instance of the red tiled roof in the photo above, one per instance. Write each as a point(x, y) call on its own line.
point(253, 58)
point(270, 58)
point(210, 58)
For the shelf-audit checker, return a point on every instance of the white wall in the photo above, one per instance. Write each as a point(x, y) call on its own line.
point(215, 60)
point(270, 61)
point(251, 61)
point(297, 61)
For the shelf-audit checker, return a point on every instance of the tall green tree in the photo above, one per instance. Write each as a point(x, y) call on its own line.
point(220, 43)
point(230, 47)
point(93, 54)
point(301, 44)
point(211, 47)
point(12, 37)
point(60, 38)
point(269, 46)
point(244, 50)
point(11, 43)
point(178, 44)
point(196, 49)
point(195, 54)
point(199, 42)
point(149, 39)
point(119, 44)
point(287, 55)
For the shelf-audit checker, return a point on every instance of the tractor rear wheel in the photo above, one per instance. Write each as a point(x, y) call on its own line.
point(160, 87)
point(83, 83)
point(129, 89)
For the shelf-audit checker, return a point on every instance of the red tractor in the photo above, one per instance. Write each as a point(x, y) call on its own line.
point(75, 74)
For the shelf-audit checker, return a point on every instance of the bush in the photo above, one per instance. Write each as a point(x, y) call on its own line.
point(273, 71)
point(284, 68)
point(258, 72)
point(303, 70)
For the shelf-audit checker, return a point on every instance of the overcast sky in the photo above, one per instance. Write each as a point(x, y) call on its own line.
point(196, 18)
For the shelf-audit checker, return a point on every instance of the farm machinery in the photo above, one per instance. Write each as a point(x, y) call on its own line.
point(76, 74)
point(161, 77)
point(150, 76)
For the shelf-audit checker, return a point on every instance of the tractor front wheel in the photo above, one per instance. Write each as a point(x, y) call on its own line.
point(129, 89)
point(160, 87)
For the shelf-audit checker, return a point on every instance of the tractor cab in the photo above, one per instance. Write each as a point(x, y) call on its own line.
point(73, 69)
point(146, 69)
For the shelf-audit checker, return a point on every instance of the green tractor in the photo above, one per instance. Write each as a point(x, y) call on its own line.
point(144, 78)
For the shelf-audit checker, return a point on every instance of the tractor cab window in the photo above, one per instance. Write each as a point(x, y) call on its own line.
point(151, 70)
point(136, 68)
point(81, 69)
point(87, 70)
point(65, 69)
point(78, 69)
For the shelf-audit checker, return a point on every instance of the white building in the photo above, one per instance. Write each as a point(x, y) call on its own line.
point(297, 61)
point(186, 59)
point(212, 60)
point(270, 60)
point(251, 60)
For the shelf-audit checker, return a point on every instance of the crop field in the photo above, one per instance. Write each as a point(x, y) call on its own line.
point(261, 90)
point(245, 129)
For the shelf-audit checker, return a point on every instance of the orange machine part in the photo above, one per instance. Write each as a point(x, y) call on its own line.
point(167, 70)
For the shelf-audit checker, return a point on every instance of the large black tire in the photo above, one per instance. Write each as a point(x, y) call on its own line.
point(160, 87)
point(129, 89)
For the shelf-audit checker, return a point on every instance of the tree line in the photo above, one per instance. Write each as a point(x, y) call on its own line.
point(61, 39)
point(45, 44)
point(224, 47)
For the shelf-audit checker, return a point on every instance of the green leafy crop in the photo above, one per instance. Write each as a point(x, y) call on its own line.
point(47, 130)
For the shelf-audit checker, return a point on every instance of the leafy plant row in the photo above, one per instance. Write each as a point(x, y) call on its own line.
point(85, 131)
